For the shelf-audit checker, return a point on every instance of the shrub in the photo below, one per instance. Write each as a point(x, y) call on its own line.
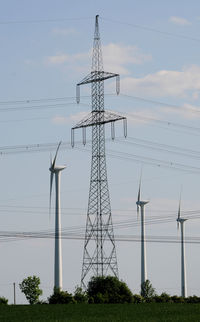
point(108, 289)
point(193, 299)
point(163, 298)
point(147, 290)
point(138, 298)
point(3, 300)
point(61, 297)
point(41, 302)
point(80, 296)
point(177, 299)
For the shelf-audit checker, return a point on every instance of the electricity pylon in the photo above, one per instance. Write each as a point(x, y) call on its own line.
point(99, 257)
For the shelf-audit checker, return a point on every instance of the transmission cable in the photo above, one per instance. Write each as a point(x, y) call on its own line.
point(152, 30)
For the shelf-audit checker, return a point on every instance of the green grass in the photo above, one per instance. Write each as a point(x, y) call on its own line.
point(152, 312)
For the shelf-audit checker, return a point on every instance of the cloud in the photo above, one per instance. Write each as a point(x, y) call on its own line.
point(58, 59)
point(186, 111)
point(143, 116)
point(116, 58)
point(73, 118)
point(179, 21)
point(63, 31)
point(165, 83)
point(65, 58)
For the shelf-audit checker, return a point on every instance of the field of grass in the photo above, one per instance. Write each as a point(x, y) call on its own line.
point(151, 312)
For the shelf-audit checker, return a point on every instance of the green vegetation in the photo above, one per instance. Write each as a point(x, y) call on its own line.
point(108, 289)
point(3, 300)
point(60, 297)
point(145, 312)
point(101, 290)
point(107, 299)
point(30, 288)
point(147, 290)
point(80, 296)
point(63, 297)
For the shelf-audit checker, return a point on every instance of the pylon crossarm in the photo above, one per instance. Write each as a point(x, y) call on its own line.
point(97, 76)
point(97, 118)
point(91, 119)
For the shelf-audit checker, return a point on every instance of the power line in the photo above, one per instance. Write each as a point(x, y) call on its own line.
point(195, 110)
point(16, 206)
point(40, 100)
point(131, 223)
point(63, 105)
point(147, 160)
point(161, 147)
point(112, 153)
point(8, 22)
point(64, 98)
point(146, 28)
point(36, 107)
point(11, 237)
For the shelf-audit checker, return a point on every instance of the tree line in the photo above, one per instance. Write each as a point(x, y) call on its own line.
point(100, 290)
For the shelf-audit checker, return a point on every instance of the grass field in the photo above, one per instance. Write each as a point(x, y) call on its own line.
point(154, 312)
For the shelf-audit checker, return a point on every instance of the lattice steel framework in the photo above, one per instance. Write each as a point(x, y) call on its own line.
point(99, 258)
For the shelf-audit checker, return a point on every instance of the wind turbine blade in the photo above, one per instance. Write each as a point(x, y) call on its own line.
point(51, 183)
point(179, 207)
point(179, 210)
point(50, 161)
point(54, 160)
point(138, 210)
point(139, 195)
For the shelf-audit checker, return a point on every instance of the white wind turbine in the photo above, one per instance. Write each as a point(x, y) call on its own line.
point(55, 170)
point(141, 204)
point(181, 221)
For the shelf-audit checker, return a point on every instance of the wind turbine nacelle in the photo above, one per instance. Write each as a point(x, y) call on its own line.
point(142, 202)
point(181, 220)
point(57, 168)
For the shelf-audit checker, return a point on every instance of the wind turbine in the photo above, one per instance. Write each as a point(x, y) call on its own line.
point(55, 170)
point(141, 204)
point(181, 221)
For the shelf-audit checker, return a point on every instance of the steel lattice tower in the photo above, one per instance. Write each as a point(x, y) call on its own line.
point(99, 258)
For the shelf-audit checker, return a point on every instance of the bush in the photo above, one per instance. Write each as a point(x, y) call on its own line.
point(163, 298)
point(138, 298)
point(80, 296)
point(108, 289)
point(177, 299)
point(61, 297)
point(193, 299)
point(147, 290)
point(42, 302)
point(3, 300)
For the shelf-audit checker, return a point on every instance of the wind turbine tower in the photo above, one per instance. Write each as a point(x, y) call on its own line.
point(99, 257)
point(181, 221)
point(141, 204)
point(56, 170)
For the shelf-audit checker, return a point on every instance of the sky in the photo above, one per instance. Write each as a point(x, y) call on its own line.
point(45, 51)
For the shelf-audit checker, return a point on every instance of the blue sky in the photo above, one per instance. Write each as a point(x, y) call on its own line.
point(45, 50)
